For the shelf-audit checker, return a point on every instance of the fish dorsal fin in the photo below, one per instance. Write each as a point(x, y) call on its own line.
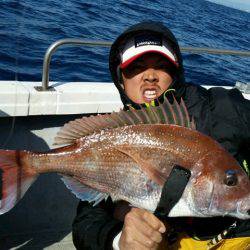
point(83, 192)
point(165, 113)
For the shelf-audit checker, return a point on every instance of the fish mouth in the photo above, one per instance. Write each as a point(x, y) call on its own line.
point(236, 212)
point(239, 212)
point(238, 215)
point(243, 211)
point(150, 93)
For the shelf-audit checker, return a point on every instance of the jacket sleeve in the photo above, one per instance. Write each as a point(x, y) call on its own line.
point(94, 227)
point(231, 122)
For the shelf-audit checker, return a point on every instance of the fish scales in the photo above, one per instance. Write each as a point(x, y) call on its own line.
point(131, 161)
point(72, 162)
point(146, 139)
point(93, 165)
point(138, 139)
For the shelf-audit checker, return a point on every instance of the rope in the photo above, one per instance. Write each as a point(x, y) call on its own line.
point(220, 237)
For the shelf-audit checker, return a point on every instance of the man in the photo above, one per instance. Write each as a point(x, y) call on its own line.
point(146, 64)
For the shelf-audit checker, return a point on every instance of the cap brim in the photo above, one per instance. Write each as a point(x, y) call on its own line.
point(132, 59)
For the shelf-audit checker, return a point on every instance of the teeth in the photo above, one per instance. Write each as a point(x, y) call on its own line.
point(150, 94)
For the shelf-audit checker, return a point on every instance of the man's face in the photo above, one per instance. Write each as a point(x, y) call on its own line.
point(146, 78)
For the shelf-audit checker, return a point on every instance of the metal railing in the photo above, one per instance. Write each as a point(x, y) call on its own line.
point(53, 47)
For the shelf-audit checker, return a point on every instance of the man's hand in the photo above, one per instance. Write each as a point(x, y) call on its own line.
point(141, 230)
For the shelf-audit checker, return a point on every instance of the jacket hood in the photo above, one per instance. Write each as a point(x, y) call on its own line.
point(147, 27)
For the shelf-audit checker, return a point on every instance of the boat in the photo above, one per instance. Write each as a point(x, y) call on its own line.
point(31, 115)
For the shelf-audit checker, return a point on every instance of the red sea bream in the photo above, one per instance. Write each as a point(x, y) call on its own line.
point(129, 155)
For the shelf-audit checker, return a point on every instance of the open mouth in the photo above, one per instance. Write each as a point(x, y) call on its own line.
point(150, 94)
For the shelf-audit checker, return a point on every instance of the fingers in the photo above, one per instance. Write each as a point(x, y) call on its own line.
point(148, 226)
point(133, 237)
point(141, 228)
point(154, 222)
point(150, 233)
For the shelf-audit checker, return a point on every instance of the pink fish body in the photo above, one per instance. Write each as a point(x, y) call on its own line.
point(129, 155)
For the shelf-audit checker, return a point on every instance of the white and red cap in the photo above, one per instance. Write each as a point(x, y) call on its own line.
point(142, 44)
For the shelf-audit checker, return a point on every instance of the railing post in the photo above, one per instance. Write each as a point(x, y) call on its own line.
point(71, 41)
point(53, 47)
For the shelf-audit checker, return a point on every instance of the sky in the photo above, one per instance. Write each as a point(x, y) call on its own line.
point(237, 4)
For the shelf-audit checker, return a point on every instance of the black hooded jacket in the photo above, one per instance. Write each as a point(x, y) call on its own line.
point(222, 114)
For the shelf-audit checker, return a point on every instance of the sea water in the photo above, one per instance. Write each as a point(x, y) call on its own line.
point(28, 27)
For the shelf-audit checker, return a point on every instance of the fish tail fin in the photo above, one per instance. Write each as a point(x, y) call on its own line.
point(15, 178)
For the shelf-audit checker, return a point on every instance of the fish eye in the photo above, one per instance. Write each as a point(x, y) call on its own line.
point(231, 178)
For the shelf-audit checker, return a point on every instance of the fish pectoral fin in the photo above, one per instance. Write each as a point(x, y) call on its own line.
point(82, 191)
point(146, 164)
